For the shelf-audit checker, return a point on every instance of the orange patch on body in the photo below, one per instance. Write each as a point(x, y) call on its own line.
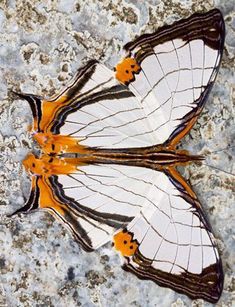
point(57, 144)
point(124, 243)
point(126, 69)
point(47, 166)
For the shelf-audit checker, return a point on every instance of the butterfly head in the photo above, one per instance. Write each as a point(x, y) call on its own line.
point(56, 144)
point(47, 165)
point(34, 166)
point(47, 143)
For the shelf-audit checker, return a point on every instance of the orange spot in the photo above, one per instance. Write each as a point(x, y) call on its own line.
point(124, 243)
point(126, 69)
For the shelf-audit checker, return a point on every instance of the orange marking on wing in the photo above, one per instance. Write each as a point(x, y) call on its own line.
point(179, 136)
point(175, 174)
point(47, 198)
point(126, 69)
point(58, 144)
point(124, 243)
point(49, 110)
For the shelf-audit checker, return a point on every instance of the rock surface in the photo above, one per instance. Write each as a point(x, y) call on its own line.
point(42, 44)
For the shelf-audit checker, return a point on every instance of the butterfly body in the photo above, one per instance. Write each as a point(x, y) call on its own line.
point(109, 155)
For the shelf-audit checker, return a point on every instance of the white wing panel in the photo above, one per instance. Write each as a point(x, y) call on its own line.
point(172, 236)
point(108, 115)
point(169, 86)
point(112, 195)
point(171, 81)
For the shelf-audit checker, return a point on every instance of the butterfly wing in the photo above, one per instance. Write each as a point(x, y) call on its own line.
point(177, 67)
point(87, 228)
point(172, 239)
point(169, 75)
point(94, 109)
point(174, 243)
point(92, 201)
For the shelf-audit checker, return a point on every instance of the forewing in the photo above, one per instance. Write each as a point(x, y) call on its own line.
point(169, 75)
point(177, 67)
point(109, 194)
point(95, 109)
point(176, 247)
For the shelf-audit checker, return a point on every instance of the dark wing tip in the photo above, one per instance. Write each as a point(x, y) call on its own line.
point(35, 102)
point(208, 285)
point(210, 17)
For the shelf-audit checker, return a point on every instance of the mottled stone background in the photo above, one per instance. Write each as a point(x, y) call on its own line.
point(42, 44)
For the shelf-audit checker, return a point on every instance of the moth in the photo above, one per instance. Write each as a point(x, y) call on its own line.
point(108, 163)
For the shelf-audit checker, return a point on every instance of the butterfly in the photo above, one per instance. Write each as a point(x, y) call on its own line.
point(107, 167)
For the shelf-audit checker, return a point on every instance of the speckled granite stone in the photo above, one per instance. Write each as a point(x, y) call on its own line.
point(42, 44)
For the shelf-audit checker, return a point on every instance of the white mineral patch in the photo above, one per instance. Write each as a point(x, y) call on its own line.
point(42, 44)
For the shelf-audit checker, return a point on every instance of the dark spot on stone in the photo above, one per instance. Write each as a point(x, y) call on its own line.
point(70, 273)
point(77, 7)
point(27, 55)
point(61, 78)
point(94, 278)
point(104, 258)
point(125, 242)
point(33, 165)
point(228, 19)
point(127, 71)
point(130, 15)
point(132, 66)
point(53, 146)
point(231, 285)
point(131, 247)
point(38, 263)
point(211, 210)
point(76, 297)
point(2, 263)
point(65, 67)
point(15, 230)
point(25, 143)
point(44, 59)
